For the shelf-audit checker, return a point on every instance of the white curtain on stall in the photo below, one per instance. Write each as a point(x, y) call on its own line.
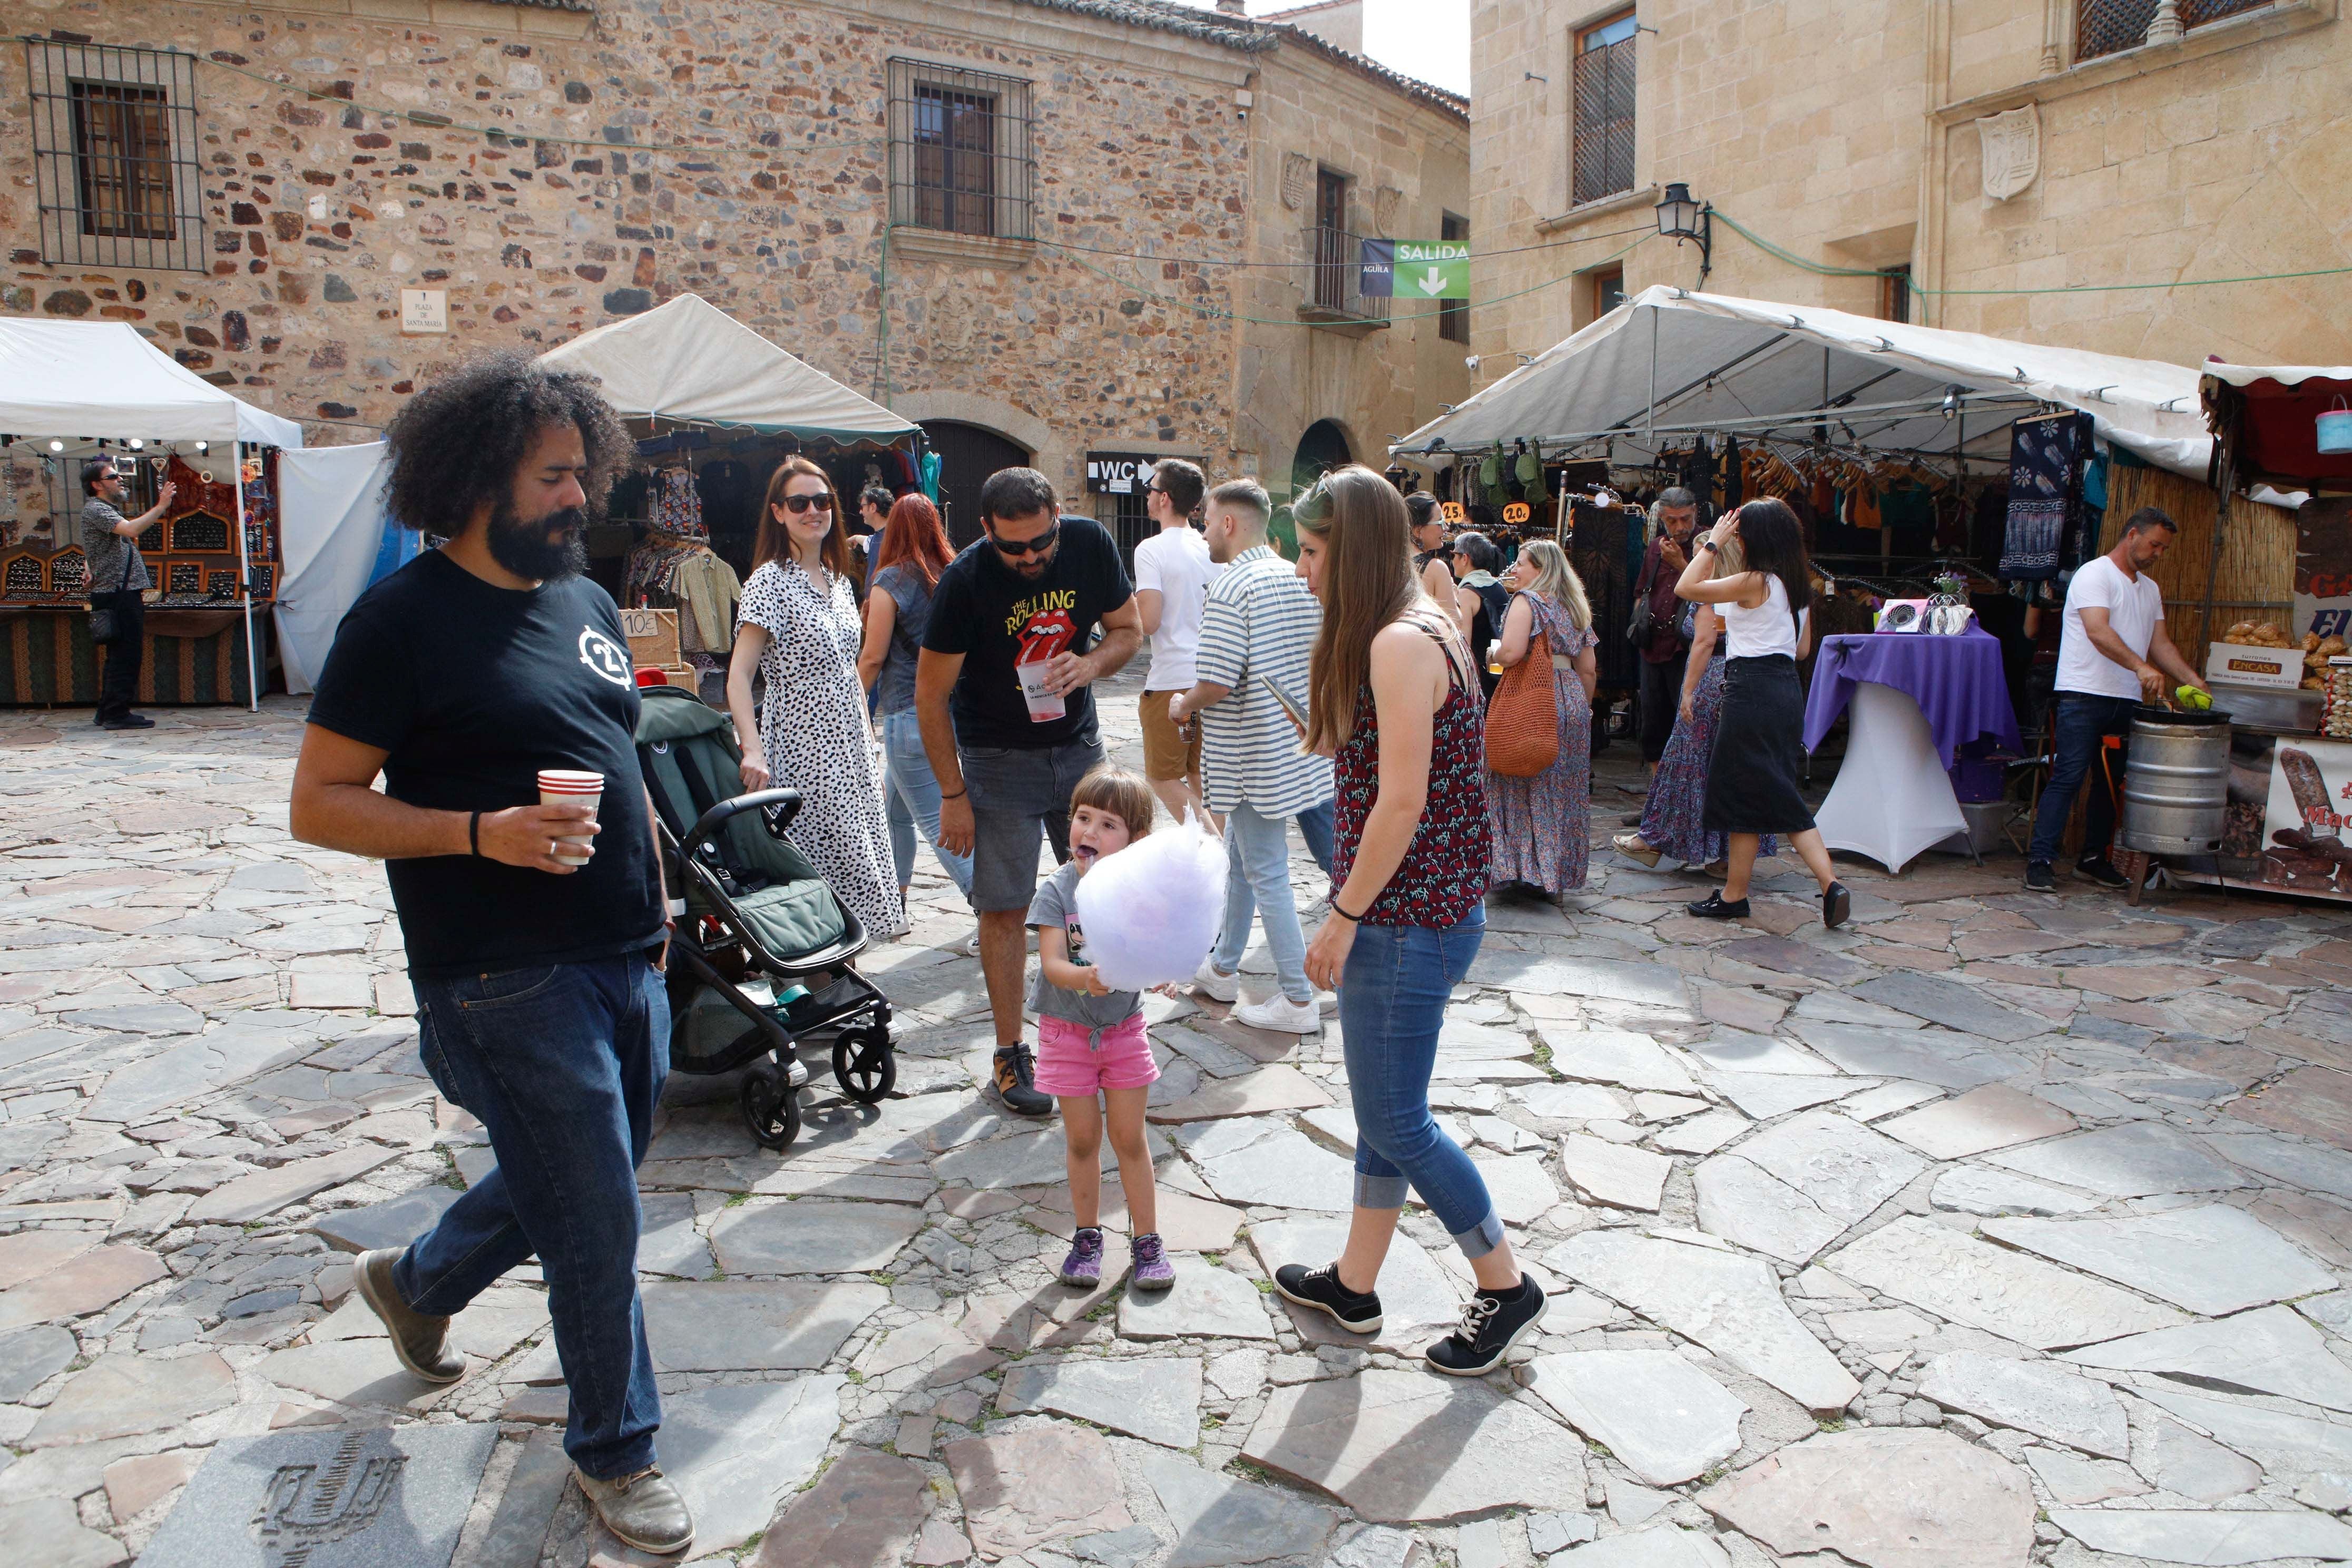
point(331, 529)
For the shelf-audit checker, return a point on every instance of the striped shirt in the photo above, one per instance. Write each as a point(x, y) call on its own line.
point(1257, 631)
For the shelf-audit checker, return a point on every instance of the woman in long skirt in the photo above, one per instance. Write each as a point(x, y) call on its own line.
point(1752, 776)
point(1674, 818)
point(1543, 825)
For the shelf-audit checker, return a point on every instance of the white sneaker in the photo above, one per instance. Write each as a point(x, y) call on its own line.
point(1216, 986)
point(971, 945)
point(1281, 1014)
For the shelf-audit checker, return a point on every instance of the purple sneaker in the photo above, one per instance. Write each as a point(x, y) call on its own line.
point(1083, 1266)
point(1153, 1269)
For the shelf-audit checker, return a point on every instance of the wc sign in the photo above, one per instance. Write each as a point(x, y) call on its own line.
point(1415, 270)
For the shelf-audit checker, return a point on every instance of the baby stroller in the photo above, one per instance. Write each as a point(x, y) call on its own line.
point(760, 961)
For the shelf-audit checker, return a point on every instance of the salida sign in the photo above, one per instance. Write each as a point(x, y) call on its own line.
point(1416, 268)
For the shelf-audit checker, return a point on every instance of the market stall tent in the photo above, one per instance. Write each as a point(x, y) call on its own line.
point(2269, 415)
point(1669, 362)
point(75, 380)
point(690, 362)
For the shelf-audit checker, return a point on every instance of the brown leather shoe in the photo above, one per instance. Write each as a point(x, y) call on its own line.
point(421, 1342)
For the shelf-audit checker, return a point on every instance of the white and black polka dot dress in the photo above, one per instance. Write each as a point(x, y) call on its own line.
point(814, 728)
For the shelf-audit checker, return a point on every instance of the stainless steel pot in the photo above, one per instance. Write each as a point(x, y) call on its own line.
point(2177, 782)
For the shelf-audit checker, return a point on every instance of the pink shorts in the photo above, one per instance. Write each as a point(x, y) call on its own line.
point(1072, 1060)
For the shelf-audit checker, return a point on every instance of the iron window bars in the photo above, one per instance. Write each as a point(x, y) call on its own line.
point(2111, 26)
point(116, 178)
point(961, 150)
point(1601, 147)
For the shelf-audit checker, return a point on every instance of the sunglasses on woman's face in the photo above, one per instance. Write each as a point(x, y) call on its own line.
point(796, 505)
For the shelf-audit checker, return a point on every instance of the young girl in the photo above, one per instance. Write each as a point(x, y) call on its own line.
point(1090, 1039)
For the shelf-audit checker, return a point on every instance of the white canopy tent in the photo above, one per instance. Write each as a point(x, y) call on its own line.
point(77, 381)
point(1668, 362)
point(691, 362)
point(332, 531)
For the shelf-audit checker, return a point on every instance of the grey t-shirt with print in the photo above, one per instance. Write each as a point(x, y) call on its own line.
point(1056, 904)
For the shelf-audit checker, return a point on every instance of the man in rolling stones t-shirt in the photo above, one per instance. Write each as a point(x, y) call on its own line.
point(1008, 720)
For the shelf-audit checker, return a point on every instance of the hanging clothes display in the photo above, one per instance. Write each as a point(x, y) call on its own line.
point(2046, 488)
point(678, 506)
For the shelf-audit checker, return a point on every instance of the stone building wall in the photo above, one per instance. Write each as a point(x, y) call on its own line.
point(1845, 132)
point(553, 169)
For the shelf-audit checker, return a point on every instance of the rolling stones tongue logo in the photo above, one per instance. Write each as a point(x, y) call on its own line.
point(1046, 633)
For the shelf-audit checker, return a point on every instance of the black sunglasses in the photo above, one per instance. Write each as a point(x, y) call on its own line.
point(1036, 546)
point(799, 504)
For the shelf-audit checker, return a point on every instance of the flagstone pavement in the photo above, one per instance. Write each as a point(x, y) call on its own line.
point(1995, 1228)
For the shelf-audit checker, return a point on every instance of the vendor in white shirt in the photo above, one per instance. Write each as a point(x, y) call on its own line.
point(2112, 655)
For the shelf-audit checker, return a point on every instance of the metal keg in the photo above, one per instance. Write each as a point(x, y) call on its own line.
point(2177, 782)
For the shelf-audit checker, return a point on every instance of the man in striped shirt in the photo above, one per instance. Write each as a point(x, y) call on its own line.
point(1257, 630)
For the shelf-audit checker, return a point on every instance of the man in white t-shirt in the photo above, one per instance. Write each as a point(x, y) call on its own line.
point(1172, 573)
point(2113, 654)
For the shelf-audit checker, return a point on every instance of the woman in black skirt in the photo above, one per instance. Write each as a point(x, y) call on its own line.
point(1751, 780)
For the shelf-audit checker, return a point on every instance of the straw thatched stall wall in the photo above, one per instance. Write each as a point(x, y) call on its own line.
point(2255, 576)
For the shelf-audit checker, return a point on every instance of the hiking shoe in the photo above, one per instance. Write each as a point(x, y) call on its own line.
point(1279, 1014)
point(1083, 1266)
point(1153, 1269)
point(2040, 878)
point(1836, 904)
point(1215, 984)
point(2100, 869)
point(643, 1510)
point(419, 1339)
point(1014, 1075)
point(1492, 1322)
point(1714, 907)
point(1357, 1312)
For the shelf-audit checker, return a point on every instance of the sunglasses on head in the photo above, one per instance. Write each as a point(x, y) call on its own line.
point(796, 505)
point(1036, 546)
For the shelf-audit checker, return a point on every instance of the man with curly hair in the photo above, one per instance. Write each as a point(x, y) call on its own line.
point(541, 1000)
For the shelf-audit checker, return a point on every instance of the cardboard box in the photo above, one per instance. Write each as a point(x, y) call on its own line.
point(2243, 663)
point(653, 637)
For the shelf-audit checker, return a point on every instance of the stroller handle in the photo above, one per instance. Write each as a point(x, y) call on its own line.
point(780, 806)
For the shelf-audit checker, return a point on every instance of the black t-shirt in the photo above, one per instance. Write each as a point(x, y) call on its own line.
point(995, 617)
point(473, 689)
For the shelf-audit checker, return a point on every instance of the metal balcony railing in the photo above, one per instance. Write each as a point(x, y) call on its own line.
point(1334, 287)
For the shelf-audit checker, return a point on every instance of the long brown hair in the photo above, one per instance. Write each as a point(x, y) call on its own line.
point(912, 534)
point(1368, 581)
point(773, 543)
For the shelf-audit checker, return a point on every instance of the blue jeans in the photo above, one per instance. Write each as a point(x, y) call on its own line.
point(1393, 995)
point(2085, 720)
point(563, 1064)
point(1315, 825)
point(1257, 881)
point(912, 794)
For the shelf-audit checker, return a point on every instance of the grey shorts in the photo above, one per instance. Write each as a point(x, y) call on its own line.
point(1016, 794)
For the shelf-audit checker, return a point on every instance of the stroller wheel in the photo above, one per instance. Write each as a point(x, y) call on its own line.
point(771, 1109)
point(863, 1064)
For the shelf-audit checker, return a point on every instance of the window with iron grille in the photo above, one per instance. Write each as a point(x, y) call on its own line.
point(114, 155)
point(1453, 315)
point(960, 150)
point(1601, 148)
point(2110, 27)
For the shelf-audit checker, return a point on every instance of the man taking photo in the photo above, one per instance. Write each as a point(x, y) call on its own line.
point(536, 934)
point(1674, 516)
point(1001, 691)
point(118, 579)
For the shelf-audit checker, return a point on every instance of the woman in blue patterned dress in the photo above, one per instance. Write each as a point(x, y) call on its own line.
point(1543, 825)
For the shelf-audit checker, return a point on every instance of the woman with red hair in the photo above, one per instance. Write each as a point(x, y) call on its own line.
point(897, 607)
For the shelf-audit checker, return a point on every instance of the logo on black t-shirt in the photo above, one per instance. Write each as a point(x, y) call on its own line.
point(605, 657)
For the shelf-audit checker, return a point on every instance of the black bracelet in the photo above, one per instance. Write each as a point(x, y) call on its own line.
point(957, 795)
point(1352, 920)
point(474, 832)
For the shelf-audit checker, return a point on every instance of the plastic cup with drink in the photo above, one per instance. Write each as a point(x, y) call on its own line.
point(565, 786)
point(1044, 706)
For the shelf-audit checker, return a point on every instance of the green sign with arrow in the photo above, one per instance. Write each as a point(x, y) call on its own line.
point(1416, 268)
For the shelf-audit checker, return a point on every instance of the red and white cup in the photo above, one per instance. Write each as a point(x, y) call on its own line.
point(564, 787)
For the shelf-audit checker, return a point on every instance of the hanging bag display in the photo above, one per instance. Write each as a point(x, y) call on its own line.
point(1523, 716)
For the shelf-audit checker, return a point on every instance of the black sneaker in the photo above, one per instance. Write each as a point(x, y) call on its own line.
point(1492, 1322)
point(2100, 869)
point(1014, 1076)
point(2040, 878)
point(1320, 1288)
point(131, 722)
point(1715, 908)
point(1836, 904)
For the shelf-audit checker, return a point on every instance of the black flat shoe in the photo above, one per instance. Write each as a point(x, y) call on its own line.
point(1492, 1322)
point(2101, 870)
point(1359, 1312)
point(1715, 908)
point(1836, 904)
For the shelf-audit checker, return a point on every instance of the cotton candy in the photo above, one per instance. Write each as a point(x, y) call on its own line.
point(1151, 911)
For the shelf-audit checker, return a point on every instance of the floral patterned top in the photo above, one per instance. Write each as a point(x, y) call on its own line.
point(1444, 874)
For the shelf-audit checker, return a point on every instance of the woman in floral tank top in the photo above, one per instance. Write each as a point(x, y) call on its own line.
point(1394, 699)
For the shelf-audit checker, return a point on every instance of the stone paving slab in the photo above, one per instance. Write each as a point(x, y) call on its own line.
point(2033, 1396)
point(1662, 1418)
point(2210, 1259)
point(1984, 1287)
point(2175, 1535)
point(1883, 1499)
point(2273, 1351)
point(1157, 1398)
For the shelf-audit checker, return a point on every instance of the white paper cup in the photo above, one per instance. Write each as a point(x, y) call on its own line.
point(562, 786)
point(1044, 706)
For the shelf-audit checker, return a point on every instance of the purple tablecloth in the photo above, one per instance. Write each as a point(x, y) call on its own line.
point(1957, 681)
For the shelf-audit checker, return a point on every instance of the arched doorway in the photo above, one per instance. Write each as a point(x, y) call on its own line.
point(1323, 447)
point(967, 455)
